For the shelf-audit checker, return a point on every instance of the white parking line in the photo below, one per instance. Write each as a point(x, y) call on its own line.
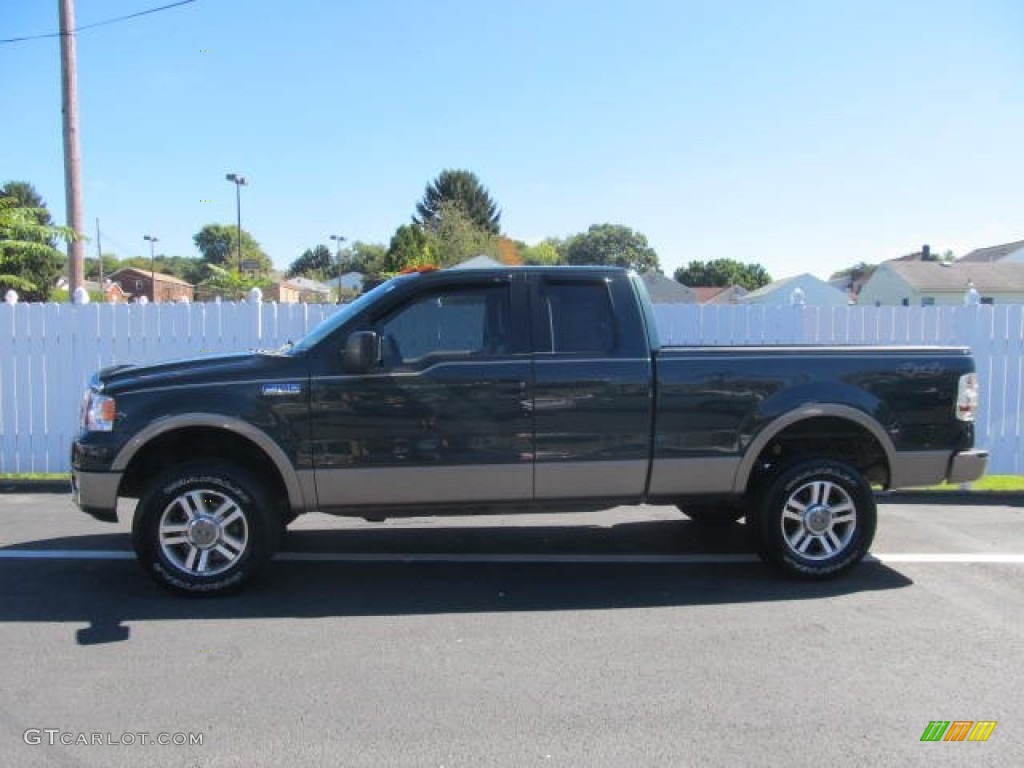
point(942, 557)
point(461, 557)
point(65, 554)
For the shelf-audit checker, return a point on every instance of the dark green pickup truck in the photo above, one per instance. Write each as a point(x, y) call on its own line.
point(508, 390)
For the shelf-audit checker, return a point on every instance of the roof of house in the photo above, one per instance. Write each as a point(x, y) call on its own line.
point(108, 285)
point(784, 283)
point(305, 284)
point(719, 294)
point(479, 262)
point(161, 277)
point(993, 252)
point(665, 290)
point(988, 278)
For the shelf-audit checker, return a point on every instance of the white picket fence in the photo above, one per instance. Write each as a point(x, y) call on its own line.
point(49, 351)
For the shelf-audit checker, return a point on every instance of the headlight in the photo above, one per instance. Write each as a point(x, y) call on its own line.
point(98, 412)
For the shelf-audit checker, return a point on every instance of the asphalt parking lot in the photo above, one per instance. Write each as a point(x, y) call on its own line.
point(629, 637)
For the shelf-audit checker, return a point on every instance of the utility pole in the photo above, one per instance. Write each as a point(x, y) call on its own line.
point(239, 181)
point(337, 268)
point(152, 261)
point(72, 156)
point(99, 258)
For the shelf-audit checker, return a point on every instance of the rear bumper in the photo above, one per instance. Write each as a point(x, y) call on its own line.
point(967, 466)
point(95, 493)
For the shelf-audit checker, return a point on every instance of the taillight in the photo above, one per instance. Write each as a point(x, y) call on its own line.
point(967, 397)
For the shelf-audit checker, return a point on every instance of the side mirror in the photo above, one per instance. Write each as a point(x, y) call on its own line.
point(362, 352)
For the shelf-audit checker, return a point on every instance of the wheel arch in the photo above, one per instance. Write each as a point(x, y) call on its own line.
point(860, 424)
point(213, 431)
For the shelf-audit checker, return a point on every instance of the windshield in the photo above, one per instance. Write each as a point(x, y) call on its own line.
point(342, 316)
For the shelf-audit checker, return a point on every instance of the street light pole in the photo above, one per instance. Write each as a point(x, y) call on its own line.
point(337, 257)
point(152, 263)
point(239, 182)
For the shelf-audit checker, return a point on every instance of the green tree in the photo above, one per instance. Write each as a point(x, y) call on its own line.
point(368, 258)
point(228, 284)
point(29, 260)
point(461, 188)
point(542, 254)
point(110, 264)
point(856, 275)
point(722, 272)
point(26, 196)
point(316, 263)
point(218, 244)
point(611, 245)
point(454, 237)
point(409, 248)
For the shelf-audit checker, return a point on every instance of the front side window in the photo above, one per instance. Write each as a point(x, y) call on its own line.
point(460, 322)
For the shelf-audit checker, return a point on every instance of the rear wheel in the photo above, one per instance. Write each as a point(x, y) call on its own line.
point(204, 528)
point(817, 519)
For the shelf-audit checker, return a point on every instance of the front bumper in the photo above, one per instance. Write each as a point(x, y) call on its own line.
point(95, 493)
point(967, 466)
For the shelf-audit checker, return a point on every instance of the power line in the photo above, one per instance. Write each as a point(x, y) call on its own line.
point(98, 23)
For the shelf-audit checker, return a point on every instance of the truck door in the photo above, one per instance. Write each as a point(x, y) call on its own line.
point(446, 417)
point(592, 389)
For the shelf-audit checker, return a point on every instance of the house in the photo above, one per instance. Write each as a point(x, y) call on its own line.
point(311, 291)
point(112, 292)
point(349, 284)
point(479, 262)
point(720, 294)
point(799, 290)
point(1011, 253)
point(282, 292)
point(140, 282)
point(665, 290)
point(934, 283)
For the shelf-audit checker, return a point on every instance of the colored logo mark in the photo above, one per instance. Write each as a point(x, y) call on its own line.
point(958, 730)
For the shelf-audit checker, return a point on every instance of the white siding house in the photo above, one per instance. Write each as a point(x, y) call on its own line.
point(933, 283)
point(802, 289)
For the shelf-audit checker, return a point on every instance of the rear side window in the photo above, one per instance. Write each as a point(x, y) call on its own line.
point(578, 318)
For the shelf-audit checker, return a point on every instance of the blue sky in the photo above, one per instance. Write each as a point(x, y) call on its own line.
point(806, 136)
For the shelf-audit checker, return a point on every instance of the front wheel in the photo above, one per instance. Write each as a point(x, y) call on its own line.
point(817, 519)
point(204, 528)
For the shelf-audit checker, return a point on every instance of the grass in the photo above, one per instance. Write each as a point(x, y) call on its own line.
point(35, 476)
point(990, 483)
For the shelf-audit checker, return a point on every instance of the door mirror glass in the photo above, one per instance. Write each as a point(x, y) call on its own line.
point(362, 352)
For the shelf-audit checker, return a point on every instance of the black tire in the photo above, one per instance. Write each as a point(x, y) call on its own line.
point(816, 519)
point(205, 529)
point(708, 515)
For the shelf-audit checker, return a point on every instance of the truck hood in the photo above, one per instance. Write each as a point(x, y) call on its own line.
point(195, 370)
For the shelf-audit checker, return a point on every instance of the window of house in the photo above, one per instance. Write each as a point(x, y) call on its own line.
point(927, 301)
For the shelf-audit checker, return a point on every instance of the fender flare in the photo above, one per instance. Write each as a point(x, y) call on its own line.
point(815, 411)
point(297, 497)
